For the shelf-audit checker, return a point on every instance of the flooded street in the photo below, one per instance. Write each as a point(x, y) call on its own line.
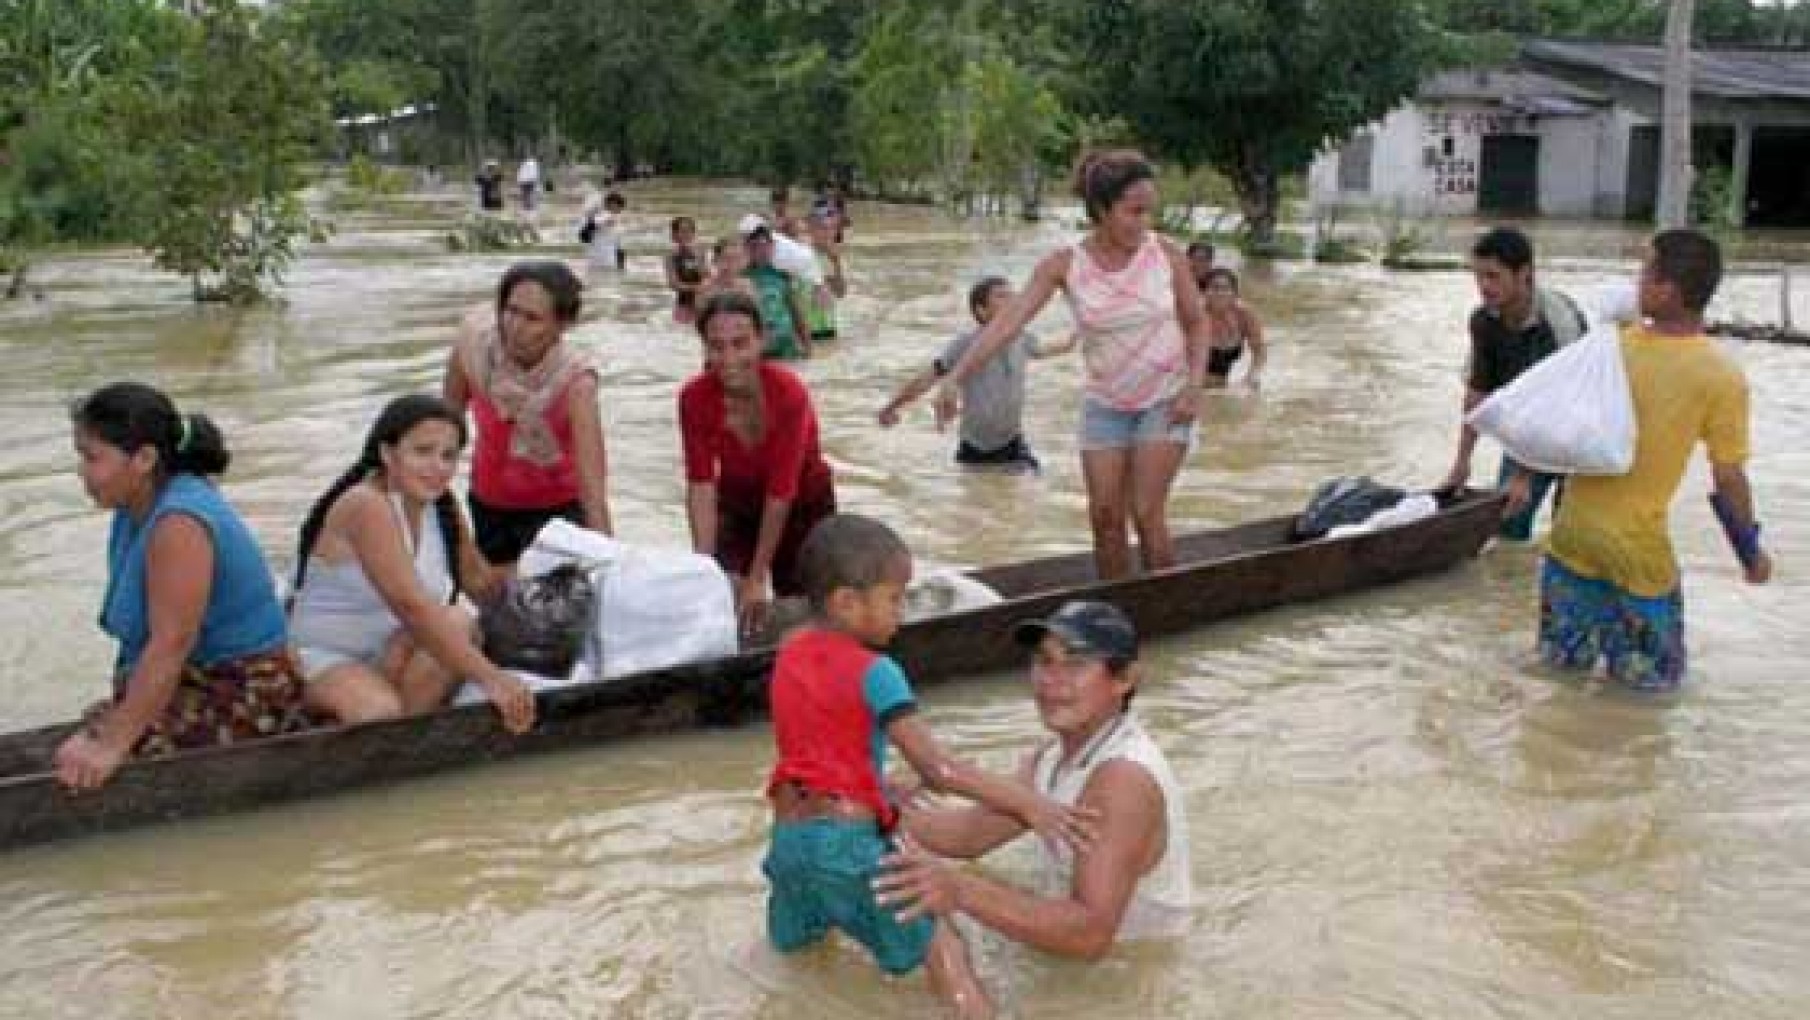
point(1394, 813)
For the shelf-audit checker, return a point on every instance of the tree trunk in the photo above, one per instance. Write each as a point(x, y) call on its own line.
point(477, 96)
point(1030, 193)
point(1259, 190)
point(1675, 124)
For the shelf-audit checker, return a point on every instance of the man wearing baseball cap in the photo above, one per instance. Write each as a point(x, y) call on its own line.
point(1133, 881)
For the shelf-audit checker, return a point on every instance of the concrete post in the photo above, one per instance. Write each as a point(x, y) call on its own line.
point(1737, 184)
point(1675, 120)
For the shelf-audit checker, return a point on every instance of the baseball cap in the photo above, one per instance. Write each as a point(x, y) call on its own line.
point(1086, 627)
point(752, 224)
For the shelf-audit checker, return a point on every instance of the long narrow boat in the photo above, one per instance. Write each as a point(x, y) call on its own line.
point(1222, 573)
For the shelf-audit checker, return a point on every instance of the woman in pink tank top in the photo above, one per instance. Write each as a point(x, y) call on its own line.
point(533, 398)
point(1144, 350)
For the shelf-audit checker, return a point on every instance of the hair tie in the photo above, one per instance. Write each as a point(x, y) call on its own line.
point(182, 433)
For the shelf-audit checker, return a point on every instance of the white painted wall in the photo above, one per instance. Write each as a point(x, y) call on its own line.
point(1570, 164)
point(1583, 160)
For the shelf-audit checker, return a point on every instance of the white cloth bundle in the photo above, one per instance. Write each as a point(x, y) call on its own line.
point(1571, 414)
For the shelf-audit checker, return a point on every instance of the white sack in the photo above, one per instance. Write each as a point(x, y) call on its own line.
point(559, 541)
point(1408, 511)
point(1571, 414)
point(942, 592)
point(663, 607)
point(798, 259)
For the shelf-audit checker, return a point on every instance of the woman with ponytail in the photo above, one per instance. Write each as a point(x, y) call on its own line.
point(1144, 341)
point(377, 575)
point(203, 656)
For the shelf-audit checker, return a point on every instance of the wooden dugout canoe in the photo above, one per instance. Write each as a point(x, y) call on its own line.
point(1222, 573)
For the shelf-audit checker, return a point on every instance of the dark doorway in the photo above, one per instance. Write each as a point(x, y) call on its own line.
point(1643, 172)
point(1778, 179)
point(1509, 179)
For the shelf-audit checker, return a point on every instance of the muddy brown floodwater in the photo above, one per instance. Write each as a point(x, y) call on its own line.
point(1394, 814)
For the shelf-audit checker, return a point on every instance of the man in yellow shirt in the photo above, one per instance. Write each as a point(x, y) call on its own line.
point(1609, 586)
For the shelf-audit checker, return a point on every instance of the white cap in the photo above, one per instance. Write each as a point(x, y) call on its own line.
point(752, 222)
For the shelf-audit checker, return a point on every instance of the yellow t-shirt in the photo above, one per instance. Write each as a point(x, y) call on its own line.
point(1615, 528)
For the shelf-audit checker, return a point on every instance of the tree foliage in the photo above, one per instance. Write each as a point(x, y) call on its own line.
point(1718, 22)
point(125, 120)
point(224, 134)
point(1253, 88)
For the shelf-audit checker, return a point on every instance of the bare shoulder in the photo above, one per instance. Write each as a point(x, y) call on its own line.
point(181, 529)
point(1123, 787)
point(584, 387)
point(357, 509)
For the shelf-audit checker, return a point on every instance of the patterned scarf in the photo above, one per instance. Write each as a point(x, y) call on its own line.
point(521, 396)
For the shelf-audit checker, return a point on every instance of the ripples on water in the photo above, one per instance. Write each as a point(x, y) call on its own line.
point(1395, 814)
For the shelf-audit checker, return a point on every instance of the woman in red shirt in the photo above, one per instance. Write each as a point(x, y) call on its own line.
point(756, 479)
point(533, 397)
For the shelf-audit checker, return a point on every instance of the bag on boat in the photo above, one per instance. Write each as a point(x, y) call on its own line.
point(946, 591)
point(1571, 414)
point(541, 623)
point(655, 607)
point(1409, 510)
point(662, 607)
point(1340, 501)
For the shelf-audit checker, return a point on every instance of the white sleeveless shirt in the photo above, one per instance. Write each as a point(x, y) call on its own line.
point(1161, 904)
point(337, 607)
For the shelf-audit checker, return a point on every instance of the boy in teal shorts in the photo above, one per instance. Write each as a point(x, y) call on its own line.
point(837, 703)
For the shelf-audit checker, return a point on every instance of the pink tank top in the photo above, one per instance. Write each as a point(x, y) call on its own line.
point(1132, 348)
point(512, 483)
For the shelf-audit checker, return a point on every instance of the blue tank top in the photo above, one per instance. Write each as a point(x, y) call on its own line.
point(242, 615)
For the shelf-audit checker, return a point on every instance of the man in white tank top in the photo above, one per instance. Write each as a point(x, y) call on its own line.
point(1133, 880)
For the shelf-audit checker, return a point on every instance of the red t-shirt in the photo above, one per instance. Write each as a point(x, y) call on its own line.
point(507, 482)
point(832, 699)
point(786, 465)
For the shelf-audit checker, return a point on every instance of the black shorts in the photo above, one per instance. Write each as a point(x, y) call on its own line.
point(1221, 359)
point(504, 534)
point(1015, 454)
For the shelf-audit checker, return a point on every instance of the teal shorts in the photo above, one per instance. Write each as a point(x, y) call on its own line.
point(820, 873)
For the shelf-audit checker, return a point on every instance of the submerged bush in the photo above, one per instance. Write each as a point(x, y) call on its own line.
point(479, 232)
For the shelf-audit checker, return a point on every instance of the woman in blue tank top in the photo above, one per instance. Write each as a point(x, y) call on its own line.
point(203, 655)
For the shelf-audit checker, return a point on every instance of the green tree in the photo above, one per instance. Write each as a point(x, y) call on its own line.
point(63, 64)
point(1718, 22)
point(907, 61)
point(1253, 88)
point(1020, 129)
point(224, 132)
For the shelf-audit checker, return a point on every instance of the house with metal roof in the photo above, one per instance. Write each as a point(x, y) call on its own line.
point(1572, 129)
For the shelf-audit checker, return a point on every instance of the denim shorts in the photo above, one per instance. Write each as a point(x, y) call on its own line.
point(1108, 428)
point(820, 876)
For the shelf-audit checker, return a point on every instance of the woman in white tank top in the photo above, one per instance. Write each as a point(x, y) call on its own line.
point(1144, 349)
point(383, 555)
point(1134, 881)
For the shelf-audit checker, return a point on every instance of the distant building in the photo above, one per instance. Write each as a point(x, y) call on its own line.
point(398, 134)
point(1572, 129)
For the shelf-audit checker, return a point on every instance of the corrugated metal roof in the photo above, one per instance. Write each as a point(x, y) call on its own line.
point(1504, 85)
point(1725, 74)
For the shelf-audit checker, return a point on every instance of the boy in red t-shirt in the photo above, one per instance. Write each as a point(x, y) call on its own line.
point(836, 704)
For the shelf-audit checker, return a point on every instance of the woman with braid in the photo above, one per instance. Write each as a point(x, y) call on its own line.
point(383, 556)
